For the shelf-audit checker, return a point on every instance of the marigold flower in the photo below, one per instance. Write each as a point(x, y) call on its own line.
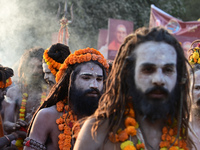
point(173, 148)
point(123, 136)
point(139, 146)
point(164, 130)
point(164, 144)
point(129, 147)
point(130, 122)
point(61, 136)
point(61, 127)
point(130, 130)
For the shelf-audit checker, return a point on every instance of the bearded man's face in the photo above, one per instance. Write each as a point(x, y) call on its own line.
point(155, 79)
point(86, 90)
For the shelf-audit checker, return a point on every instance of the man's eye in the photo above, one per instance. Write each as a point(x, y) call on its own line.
point(85, 78)
point(148, 70)
point(197, 87)
point(168, 70)
point(99, 79)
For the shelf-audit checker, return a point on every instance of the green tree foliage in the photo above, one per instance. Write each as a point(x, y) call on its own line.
point(35, 21)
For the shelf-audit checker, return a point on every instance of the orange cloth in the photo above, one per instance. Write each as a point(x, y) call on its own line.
point(114, 46)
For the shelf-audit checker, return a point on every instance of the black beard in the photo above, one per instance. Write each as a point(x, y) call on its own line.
point(81, 104)
point(196, 112)
point(154, 109)
point(1, 100)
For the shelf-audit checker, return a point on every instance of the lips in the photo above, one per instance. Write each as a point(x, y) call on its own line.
point(157, 94)
point(92, 94)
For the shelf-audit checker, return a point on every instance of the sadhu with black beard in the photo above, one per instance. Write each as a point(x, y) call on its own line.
point(145, 103)
point(75, 95)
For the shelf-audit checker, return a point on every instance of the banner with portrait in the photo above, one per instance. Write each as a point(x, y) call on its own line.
point(186, 32)
point(117, 31)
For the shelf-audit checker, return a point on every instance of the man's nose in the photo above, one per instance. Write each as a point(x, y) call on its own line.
point(46, 76)
point(94, 84)
point(158, 78)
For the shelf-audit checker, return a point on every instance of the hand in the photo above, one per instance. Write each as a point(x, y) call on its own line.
point(20, 123)
point(21, 134)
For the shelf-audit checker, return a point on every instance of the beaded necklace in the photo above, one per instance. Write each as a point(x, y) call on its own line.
point(168, 137)
point(65, 124)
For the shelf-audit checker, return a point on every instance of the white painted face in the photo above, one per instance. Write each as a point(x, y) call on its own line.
point(90, 76)
point(155, 66)
point(48, 76)
point(196, 90)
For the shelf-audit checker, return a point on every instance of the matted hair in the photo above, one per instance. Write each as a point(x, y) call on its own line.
point(5, 73)
point(114, 101)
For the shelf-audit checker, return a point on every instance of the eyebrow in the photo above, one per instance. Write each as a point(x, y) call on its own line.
point(151, 64)
point(90, 74)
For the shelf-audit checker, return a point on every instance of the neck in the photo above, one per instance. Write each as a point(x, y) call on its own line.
point(151, 131)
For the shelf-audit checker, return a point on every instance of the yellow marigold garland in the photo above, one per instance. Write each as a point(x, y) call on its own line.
point(5, 85)
point(65, 124)
point(168, 137)
point(80, 56)
point(52, 64)
point(194, 57)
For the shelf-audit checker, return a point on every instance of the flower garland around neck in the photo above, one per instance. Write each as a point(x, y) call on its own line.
point(167, 140)
point(80, 56)
point(5, 85)
point(52, 64)
point(65, 124)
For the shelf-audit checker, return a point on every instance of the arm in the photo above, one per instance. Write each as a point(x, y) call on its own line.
point(10, 106)
point(41, 127)
point(85, 140)
point(6, 139)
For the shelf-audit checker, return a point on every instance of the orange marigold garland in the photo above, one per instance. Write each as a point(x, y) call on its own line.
point(65, 124)
point(80, 56)
point(52, 64)
point(5, 85)
point(167, 139)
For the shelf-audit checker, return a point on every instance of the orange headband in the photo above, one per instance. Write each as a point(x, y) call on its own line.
point(52, 64)
point(80, 56)
point(8, 83)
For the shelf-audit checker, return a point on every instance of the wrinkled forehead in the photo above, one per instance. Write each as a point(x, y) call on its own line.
point(158, 53)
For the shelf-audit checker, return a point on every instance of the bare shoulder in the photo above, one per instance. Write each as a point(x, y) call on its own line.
point(43, 124)
point(47, 114)
point(85, 139)
point(13, 93)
